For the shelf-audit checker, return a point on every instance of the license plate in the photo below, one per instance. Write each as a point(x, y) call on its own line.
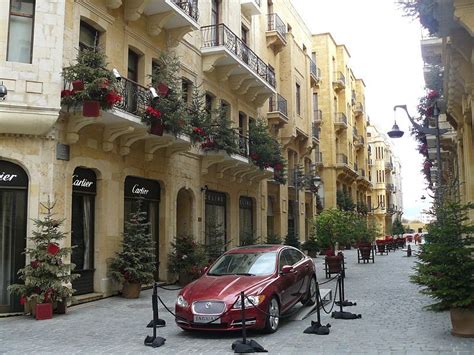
point(207, 319)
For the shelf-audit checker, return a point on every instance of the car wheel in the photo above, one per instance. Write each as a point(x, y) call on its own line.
point(273, 316)
point(310, 298)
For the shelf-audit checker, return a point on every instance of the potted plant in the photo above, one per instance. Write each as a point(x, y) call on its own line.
point(134, 265)
point(47, 277)
point(186, 259)
point(311, 246)
point(93, 85)
point(221, 135)
point(446, 264)
point(199, 118)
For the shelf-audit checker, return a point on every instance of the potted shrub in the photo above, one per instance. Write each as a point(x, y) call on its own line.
point(134, 265)
point(446, 264)
point(46, 278)
point(187, 259)
point(311, 246)
point(93, 85)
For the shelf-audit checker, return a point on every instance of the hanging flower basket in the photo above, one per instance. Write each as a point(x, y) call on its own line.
point(91, 108)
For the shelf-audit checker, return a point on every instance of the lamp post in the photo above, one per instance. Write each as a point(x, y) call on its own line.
point(397, 133)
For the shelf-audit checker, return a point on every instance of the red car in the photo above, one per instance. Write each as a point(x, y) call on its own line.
point(273, 277)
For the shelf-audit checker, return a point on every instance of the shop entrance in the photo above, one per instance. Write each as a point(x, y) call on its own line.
point(146, 192)
point(84, 188)
point(13, 217)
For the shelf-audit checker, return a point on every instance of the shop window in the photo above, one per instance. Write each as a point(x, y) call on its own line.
point(246, 219)
point(215, 226)
point(13, 219)
point(20, 31)
point(147, 193)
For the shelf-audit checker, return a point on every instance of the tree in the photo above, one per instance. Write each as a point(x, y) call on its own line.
point(333, 226)
point(47, 277)
point(292, 240)
point(344, 201)
point(397, 227)
point(199, 117)
point(222, 136)
point(135, 263)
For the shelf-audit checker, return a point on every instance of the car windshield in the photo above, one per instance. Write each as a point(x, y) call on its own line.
point(249, 264)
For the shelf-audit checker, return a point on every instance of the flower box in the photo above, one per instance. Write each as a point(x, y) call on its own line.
point(91, 108)
point(44, 311)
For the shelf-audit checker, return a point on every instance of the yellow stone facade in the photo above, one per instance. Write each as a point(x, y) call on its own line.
point(299, 82)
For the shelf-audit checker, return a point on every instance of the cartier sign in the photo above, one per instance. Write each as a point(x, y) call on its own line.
point(84, 180)
point(136, 187)
point(12, 175)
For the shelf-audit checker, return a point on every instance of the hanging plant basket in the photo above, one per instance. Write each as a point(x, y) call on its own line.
point(91, 108)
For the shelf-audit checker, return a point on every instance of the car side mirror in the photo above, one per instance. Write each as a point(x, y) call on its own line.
point(287, 269)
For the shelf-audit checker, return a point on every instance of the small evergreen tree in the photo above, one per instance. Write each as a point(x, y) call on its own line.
point(273, 239)
point(187, 256)
point(222, 136)
point(344, 201)
point(292, 240)
point(47, 277)
point(135, 263)
point(199, 117)
point(397, 227)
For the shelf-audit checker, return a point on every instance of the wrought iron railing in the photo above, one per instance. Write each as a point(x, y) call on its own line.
point(338, 76)
point(313, 69)
point(341, 158)
point(340, 117)
point(275, 23)
point(243, 143)
point(221, 35)
point(317, 116)
point(278, 103)
point(359, 107)
point(316, 131)
point(388, 165)
point(136, 97)
point(189, 7)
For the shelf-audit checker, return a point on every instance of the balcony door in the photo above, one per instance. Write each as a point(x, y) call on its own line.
point(215, 20)
point(132, 74)
point(13, 217)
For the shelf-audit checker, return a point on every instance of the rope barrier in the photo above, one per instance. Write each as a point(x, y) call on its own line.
point(333, 301)
point(169, 289)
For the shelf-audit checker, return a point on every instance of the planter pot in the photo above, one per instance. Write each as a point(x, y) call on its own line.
point(131, 290)
point(91, 108)
point(185, 278)
point(61, 307)
point(78, 85)
point(462, 320)
point(44, 311)
point(156, 128)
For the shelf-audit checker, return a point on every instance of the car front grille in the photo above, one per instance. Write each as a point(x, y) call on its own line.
point(208, 307)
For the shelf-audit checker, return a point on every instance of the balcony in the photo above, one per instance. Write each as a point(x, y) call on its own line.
point(228, 58)
point(358, 109)
point(316, 131)
point(122, 127)
point(276, 33)
point(358, 140)
point(317, 116)
point(251, 7)
point(388, 165)
point(340, 121)
point(344, 171)
point(315, 73)
point(277, 111)
point(177, 17)
point(238, 167)
point(339, 81)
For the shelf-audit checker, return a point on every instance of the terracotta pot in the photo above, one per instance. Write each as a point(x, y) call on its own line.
point(131, 290)
point(78, 85)
point(44, 311)
point(61, 307)
point(156, 128)
point(462, 320)
point(91, 108)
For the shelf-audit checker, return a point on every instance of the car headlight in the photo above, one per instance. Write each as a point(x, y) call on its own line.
point(180, 301)
point(256, 300)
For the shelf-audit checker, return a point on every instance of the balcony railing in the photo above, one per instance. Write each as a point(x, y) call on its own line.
point(277, 103)
point(275, 23)
point(340, 117)
point(338, 76)
point(314, 70)
point(316, 131)
point(317, 116)
point(359, 108)
point(388, 165)
point(341, 158)
point(243, 143)
point(190, 8)
point(135, 97)
point(221, 35)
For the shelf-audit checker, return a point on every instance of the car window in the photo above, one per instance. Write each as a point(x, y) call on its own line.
point(285, 259)
point(295, 256)
point(244, 263)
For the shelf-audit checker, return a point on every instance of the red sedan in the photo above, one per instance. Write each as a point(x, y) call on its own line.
point(273, 277)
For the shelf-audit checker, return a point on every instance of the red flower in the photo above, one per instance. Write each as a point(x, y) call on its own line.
point(35, 264)
point(152, 112)
point(47, 295)
point(66, 93)
point(53, 249)
point(112, 98)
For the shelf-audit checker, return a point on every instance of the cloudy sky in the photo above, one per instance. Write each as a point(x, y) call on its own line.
point(385, 53)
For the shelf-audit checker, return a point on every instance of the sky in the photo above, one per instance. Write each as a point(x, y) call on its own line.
point(385, 52)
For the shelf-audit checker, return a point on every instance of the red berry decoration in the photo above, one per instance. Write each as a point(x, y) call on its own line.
point(53, 249)
point(35, 264)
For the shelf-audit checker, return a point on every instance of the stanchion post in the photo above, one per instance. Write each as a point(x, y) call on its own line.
point(242, 312)
point(318, 304)
point(341, 300)
point(154, 341)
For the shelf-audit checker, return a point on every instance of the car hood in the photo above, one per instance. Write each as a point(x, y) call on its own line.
point(225, 287)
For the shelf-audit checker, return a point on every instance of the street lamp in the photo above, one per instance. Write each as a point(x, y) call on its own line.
point(397, 133)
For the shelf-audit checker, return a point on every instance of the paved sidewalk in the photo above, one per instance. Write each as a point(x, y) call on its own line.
point(393, 322)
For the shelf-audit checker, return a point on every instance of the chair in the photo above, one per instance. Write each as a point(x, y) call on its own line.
point(365, 252)
point(334, 265)
point(382, 247)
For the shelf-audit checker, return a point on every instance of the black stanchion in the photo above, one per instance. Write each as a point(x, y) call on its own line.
point(158, 322)
point(154, 341)
point(244, 345)
point(341, 314)
point(345, 303)
point(316, 327)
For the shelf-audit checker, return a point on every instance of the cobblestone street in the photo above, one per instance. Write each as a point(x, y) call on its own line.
point(393, 321)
